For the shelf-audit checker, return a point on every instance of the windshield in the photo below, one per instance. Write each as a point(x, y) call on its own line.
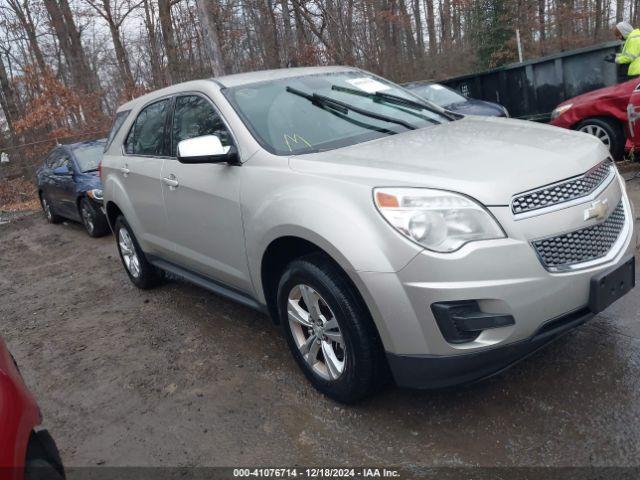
point(89, 155)
point(321, 112)
point(438, 94)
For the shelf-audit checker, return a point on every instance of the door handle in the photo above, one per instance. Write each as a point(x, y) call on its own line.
point(125, 171)
point(172, 181)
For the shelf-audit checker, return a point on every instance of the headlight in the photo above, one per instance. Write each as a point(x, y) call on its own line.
point(436, 219)
point(560, 110)
point(96, 194)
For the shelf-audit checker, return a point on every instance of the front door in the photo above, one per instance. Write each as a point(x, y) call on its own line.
point(203, 201)
point(63, 194)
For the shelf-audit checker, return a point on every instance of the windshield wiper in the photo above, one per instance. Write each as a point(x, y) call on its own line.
point(328, 102)
point(390, 98)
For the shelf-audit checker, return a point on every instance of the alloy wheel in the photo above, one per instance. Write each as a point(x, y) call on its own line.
point(47, 208)
point(128, 252)
point(87, 218)
point(316, 332)
point(598, 132)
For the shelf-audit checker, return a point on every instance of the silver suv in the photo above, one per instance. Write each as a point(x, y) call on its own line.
point(386, 235)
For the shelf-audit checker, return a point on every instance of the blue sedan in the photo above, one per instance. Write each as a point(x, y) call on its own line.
point(69, 185)
point(454, 101)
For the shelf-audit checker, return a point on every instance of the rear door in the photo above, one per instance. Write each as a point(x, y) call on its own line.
point(203, 201)
point(45, 176)
point(145, 150)
point(67, 187)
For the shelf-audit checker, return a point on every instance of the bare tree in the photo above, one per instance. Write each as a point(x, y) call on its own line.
point(169, 40)
point(22, 11)
point(210, 36)
point(8, 100)
point(70, 43)
point(115, 12)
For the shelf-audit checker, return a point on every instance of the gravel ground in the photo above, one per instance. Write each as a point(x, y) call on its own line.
point(178, 376)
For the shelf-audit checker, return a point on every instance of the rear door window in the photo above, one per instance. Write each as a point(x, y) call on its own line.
point(146, 136)
point(117, 123)
point(195, 116)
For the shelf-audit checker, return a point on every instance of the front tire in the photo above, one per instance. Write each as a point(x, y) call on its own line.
point(43, 459)
point(607, 130)
point(141, 273)
point(94, 222)
point(329, 330)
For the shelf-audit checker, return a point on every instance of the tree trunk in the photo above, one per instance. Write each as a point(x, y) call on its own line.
point(68, 37)
point(8, 100)
point(431, 27)
point(619, 10)
point(168, 37)
point(543, 24)
point(154, 55)
point(23, 14)
point(445, 23)
point(418, 22)
point(210, 38)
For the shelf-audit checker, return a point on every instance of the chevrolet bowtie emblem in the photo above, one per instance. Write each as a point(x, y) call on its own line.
point(598, 210)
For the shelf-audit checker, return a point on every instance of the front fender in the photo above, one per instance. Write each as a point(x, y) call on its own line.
point(19, 415)
point(339, 218)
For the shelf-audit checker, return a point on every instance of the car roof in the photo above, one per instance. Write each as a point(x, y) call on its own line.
point(86, 143)
point(418, 83)
point(276, 74)
point(230, 81)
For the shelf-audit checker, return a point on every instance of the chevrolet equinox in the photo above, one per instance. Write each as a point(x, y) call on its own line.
point(386, 235)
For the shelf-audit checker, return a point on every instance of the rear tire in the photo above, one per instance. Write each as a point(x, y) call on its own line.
point(343, 360)
point(94, 221)
point(141, 273)
point(609, 131)
point(43, 459)
point(48, 210)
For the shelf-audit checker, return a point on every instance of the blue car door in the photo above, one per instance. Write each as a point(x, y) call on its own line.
point(63, 189)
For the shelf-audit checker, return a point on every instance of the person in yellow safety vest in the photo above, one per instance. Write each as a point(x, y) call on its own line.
point(630, 51)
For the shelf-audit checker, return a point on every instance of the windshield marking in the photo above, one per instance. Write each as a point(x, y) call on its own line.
point(295, 138)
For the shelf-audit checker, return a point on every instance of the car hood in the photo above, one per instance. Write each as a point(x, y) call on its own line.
point(476, 107)
point(488, 158)
point(621, 89)
point(88, 181)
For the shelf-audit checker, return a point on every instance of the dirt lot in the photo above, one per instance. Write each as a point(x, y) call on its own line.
point(178, 376)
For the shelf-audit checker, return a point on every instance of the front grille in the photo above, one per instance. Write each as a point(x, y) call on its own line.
point(584, 245)
point(565, 191)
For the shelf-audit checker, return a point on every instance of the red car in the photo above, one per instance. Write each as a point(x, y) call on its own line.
point(602, 113)
point(25, 452)
point(633, 115)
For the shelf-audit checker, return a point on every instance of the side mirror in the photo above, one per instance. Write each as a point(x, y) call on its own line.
point(62, 170)
point(206, 149)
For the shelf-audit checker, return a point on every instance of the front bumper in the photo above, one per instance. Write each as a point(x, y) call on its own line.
point(429, 372)
point(505, 277)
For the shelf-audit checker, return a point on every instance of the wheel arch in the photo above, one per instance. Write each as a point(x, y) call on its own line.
point(618, 136)
point(603, 116)
point(113, 211)
point(283, 250)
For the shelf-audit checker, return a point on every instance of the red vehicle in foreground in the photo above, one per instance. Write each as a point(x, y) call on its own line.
point(25, 451)
point(602, 113)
